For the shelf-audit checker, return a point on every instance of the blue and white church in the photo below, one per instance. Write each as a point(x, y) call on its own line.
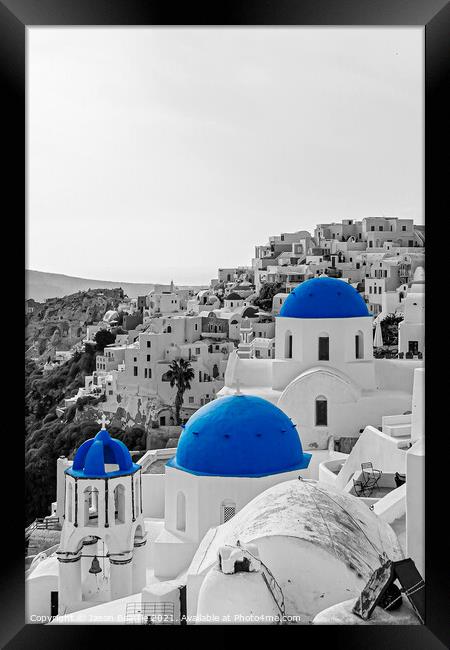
point(324, 376)
point(127, 530)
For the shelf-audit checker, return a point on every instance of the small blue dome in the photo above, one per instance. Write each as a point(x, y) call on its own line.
point(324, 298)
point(93, 454)
point(239, 435)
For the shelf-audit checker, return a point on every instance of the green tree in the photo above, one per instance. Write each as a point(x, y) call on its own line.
point(180, 374)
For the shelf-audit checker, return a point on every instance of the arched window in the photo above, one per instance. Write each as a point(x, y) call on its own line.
point(119, 504)
point(324, 347)
point(181, 511)
point(227, 510)
point(169, 329)
point(321, 411)
point(90, 506)
point(69, 505)
point(359, 345)
point(288, 345)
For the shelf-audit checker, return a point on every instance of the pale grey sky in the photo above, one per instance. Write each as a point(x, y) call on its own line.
point(160, 153)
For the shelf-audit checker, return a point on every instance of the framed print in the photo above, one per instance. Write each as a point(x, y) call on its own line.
point(226, 394)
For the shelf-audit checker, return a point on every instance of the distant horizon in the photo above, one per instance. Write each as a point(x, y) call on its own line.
point(123, 281)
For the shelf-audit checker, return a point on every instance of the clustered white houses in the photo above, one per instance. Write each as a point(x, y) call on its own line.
point(378, 256)
point(174, 326)
point(379, 253)
point(254, 517)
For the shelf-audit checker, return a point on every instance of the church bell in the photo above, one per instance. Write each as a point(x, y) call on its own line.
point(95, 566)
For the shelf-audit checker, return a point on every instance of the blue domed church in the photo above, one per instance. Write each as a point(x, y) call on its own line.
point(323, 376)
point(230, 450)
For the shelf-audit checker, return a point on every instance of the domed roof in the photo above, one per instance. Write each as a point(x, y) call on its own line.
point(233, 296)
point(95, 453)
point(110, 316)
point(324, 297)
point(239, 435)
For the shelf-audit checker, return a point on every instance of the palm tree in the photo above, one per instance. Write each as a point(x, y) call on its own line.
point(180, 374)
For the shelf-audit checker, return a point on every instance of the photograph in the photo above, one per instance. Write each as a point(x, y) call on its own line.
point(224, 325)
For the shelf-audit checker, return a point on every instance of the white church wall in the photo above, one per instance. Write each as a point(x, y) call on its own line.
point(178, 482)
point(341, 333)
point(153, 486)
point(205, 495)
point(348, 411)
point(216, 490)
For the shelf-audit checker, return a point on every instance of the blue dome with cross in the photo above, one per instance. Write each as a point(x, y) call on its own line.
point(239, 435)
point(324, 297)
point(94, 455)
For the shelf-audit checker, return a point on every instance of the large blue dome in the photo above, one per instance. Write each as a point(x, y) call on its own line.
point(324, 298)
point(92, 456)
point(239, 435)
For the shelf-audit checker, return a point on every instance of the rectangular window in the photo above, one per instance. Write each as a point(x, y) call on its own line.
point(196, 326)
point(148, 357)
point(228, 512)
point(380, 228)
point(379, 289)
point(110, 392)
point(370, 289)
point(404, 228)
point(135, 371)
point(410, 243)
point(148, 344)
point(324, 348)
point(197, 350)
point(321, 413)
point(372, 228)
point(257, 354)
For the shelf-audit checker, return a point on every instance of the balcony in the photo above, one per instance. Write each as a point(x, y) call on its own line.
point(214, 335)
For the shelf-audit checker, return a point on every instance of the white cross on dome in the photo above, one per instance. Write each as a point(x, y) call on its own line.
point(103, 421)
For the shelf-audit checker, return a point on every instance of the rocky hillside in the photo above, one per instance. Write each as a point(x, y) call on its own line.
point(60, 323)
point(47, 436)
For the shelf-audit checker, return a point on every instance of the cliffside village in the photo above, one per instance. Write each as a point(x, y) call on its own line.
point(379, 256)
point(254, 514)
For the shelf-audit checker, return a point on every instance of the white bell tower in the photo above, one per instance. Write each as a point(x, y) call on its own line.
point(102, 548)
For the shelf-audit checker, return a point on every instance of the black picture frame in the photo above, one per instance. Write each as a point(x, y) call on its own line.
point(15, 17)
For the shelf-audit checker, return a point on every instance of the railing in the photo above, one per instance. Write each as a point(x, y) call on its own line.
point(273, 586)
point(156, 613)
point(42, 523)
